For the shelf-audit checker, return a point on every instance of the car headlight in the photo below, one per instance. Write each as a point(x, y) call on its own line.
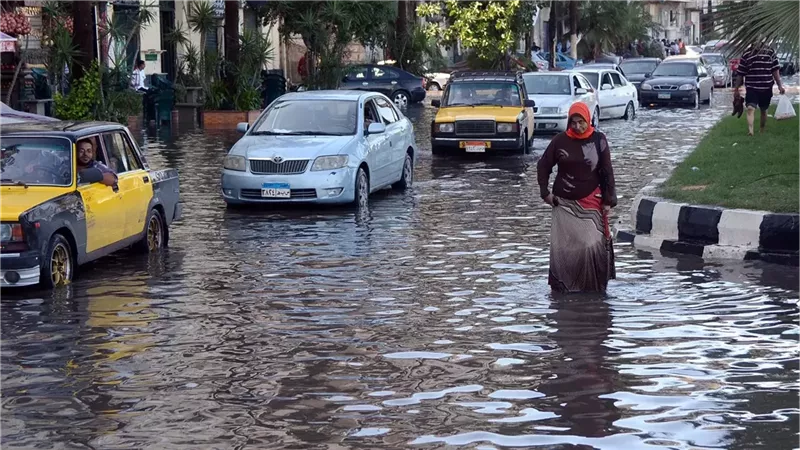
point(506, 127)
point(233, 162)
point(446, 127)
point(11, 232)
point(646, 87)
point(329, 162)
point(686, 87)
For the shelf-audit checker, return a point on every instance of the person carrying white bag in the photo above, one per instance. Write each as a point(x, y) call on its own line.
point(758, 70)
point(785, 110)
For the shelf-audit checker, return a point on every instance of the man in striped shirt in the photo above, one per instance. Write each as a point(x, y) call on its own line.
point(758, 69)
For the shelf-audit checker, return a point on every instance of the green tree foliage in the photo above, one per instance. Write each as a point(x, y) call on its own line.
point(612, 26)
point(489, 28)
point(327, 28)
point(86, 101)
point(754, 22)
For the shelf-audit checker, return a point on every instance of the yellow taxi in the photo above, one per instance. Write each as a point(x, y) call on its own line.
point(61, 207)
point(481, 112)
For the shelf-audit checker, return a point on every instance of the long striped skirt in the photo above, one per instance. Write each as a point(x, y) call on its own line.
point(581, 250)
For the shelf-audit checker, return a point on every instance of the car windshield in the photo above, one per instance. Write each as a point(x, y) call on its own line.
point(547, 84)
point(593, 78)
point(36, 161)
point(483, 93)
point(638, 67)
point(715, 60)
point(309, 118)
point(676, 70)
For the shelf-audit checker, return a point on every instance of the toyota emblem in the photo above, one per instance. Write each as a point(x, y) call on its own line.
point(277, 159)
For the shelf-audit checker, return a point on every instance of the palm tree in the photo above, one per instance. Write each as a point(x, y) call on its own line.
point(231, 43)
point(755, 22)
point(83, 37)
point(201, 20)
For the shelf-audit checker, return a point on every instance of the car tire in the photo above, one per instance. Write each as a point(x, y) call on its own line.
point(58, 264)
point(155, 233)
point(710, 94)
point(697, 100)
point(526, 143)
point(630, 112)
point(361, 199)
point(596, 117)
point(407, 177)
point(434, 86)
point(401, 99)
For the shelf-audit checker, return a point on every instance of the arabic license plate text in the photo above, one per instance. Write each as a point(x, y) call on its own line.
point(664, 96)
point(474, 147)
point(275, 190)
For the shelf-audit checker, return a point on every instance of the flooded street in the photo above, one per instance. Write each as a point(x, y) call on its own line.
point(427, 323)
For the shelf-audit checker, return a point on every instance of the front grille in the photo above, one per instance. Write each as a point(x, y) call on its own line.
point(268, 167)
point(665, 87)
point(475, 127)
point(296, 194)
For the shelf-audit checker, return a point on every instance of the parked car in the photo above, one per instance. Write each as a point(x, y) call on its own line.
point(616, 97)
point(596, 65)
point(638, 69)
point(483, 111)
point(679, 79)
point(330, 147)
point(436, 81)
point(563, 61)
point(694, 50)
point(402, 87)
point(541, 63)
point(554, 93)
point(55, 218)
point(720, 69)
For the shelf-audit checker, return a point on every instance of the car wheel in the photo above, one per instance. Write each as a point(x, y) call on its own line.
point(154, 238)
point(434, 87)
point(401, 99)
point(596, 118)
point(58, 264)
point(710, 94)
point(407, 178)
point(630, 112)
point(526, 143)
point(697, 100)
point(362, 188)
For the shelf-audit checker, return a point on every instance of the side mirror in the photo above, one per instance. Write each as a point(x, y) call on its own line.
point(436, 103)
point(606, 87)
point(530, 103)
point(581, 91)
point(87, 176)
point(242, 127)
point(376, 128)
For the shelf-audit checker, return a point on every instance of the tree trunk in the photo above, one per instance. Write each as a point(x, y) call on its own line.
point(574, 32)
point(231, 44)
point(553, 30)
point(83, 37)
point(400, 37)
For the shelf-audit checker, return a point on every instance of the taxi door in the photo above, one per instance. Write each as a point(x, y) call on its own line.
point(528, 112)
point(135, 186)
point(103, 220)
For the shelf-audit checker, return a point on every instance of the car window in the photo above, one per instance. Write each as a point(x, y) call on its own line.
point(576, 83)
point(593, 77)
point(607, 79)
point(617, 79)
point(121, 156)
point(701, 70)
point(383, 73)
point(357, 73)
point(370, 114)
point(482, 93)
point(584, 83)
point(36, 160)
point(385, 111)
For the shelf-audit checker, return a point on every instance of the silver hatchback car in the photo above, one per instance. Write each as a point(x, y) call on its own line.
point(321, 147)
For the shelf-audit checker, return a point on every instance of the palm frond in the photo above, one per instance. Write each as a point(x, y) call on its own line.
point(750, 23)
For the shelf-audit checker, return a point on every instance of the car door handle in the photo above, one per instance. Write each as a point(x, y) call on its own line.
point(394, 82)
point(146, 179)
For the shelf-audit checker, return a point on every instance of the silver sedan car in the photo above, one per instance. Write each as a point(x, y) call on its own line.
point(321, 147)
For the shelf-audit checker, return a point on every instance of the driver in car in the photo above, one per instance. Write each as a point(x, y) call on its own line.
point(86, 161)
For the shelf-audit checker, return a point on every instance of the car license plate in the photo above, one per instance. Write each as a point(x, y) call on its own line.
point(665, 96)
point(275, 190)
point(475, 146)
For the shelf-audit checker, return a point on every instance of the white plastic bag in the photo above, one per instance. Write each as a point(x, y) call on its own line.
point(785, 110)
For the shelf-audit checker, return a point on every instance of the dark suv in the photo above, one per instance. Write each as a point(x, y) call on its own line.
point(400, 86)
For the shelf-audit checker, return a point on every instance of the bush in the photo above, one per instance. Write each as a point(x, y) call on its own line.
point(86, 101)
point(83, 98)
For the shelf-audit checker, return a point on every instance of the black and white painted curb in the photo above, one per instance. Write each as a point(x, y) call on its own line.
point(711, 232)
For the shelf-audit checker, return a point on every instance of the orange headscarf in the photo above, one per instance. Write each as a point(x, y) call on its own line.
point(580, 109)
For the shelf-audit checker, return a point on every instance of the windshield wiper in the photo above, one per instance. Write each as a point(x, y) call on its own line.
point(13, 182)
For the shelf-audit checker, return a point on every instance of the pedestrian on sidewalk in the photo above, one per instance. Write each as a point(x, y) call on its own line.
point(581, 252)
point(758, 70)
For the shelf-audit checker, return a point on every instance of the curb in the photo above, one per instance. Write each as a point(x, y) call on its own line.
point(711, 232)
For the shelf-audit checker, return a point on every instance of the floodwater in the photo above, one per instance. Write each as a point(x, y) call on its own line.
point(427, 323)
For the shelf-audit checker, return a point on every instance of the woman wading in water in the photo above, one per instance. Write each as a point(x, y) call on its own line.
point(581, 253)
